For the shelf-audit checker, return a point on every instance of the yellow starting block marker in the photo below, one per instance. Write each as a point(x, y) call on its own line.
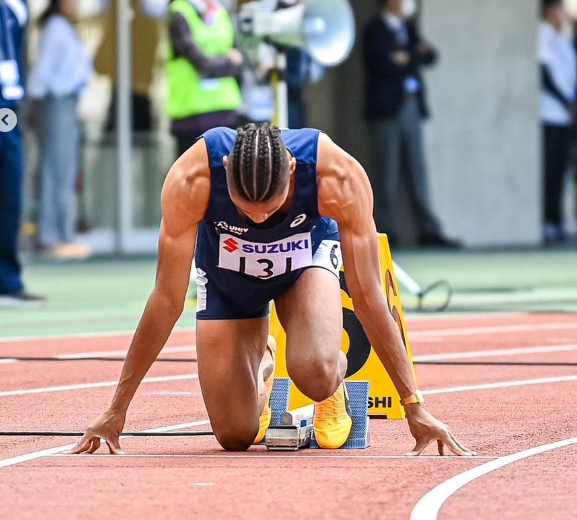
point(364, 364)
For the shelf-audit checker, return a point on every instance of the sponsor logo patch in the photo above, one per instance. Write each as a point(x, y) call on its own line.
point(230, 245)
point(298, 221)
point(225, 226)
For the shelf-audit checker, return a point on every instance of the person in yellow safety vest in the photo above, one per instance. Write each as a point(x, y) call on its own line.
point(201, 69)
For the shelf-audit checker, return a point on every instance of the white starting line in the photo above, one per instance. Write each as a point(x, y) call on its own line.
point(301, 456)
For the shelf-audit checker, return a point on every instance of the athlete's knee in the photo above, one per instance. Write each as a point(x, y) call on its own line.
point(316, 378)
point(236, 439)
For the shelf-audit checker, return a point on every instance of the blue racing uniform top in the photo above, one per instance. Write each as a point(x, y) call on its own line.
point(252, 264)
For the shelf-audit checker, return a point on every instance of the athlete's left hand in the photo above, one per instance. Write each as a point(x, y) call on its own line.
point(426, 429)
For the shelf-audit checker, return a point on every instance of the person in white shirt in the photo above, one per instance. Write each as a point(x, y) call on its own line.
point(55, 83)
point(558, 62)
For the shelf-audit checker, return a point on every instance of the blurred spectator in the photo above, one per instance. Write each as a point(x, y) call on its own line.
point(301, 69)
point(558, 62)
point(145, 27)
point(60, 73)
point(257, 92)
point(13, 19)
point(395, 107)
point(202, 65)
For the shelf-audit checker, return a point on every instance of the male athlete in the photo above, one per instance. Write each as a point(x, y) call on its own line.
point(266, 213)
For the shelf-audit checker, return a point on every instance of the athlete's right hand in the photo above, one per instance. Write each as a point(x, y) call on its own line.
point(107, 426)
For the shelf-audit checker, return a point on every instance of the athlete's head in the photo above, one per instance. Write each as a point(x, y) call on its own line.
point(259, 171)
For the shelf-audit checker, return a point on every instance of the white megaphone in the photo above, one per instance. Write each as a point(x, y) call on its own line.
point(324, 28)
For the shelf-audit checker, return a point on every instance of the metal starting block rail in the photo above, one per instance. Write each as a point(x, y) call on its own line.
point(293, 430)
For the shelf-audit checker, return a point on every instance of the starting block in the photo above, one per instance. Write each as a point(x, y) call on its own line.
point(293, 430)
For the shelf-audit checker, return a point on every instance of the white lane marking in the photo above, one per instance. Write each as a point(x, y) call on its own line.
point(166, 350)
point(301, 455)
point(106, 353)
point(101, 384)
point(175, 394)
point(462, 316)
point(175, 427)
point(428, 507)
point(204, 484)
point(34, 455)
point(495, 353)
point(81, 335)
point(59, 449)
point(473, 331)
point(504, 384)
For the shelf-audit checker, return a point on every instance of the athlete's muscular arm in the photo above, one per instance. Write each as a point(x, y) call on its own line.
point(184, 201)
point(345, 195)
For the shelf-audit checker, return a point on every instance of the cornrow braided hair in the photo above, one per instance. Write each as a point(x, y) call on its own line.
point(259, 164)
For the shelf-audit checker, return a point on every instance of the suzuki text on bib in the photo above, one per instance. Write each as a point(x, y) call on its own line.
point(265, 260)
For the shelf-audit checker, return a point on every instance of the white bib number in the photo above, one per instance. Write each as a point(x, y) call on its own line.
point(265, 260)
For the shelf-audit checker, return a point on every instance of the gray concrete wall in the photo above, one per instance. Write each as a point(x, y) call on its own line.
point(483, 140)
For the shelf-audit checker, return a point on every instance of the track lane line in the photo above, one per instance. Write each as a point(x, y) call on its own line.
point(287, 456)
point(410, 319)
point(495, 353)
point(13, 461)
point(479, 331)
point(96, 354)
point(503, 384)
point(83, 335)
point(428, 507)
point(433, 391)
point(102, 384)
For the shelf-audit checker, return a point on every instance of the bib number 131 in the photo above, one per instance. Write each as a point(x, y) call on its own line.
point(265, 261)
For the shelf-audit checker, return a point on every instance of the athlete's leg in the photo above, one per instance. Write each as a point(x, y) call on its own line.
point(311, 314)
point(232, 362)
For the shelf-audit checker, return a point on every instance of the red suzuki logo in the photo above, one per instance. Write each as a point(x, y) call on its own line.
point(231, 245)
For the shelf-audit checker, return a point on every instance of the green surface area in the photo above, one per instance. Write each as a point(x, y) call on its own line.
point(109, 294)
point(501, 281)
point(94, 296)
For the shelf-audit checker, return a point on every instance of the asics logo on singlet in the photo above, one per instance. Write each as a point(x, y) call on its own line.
point(270, 249)
point(231, 245)
point(298, 221)
point(225, 226)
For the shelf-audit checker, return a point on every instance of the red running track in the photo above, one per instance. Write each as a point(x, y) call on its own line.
point(193, 478)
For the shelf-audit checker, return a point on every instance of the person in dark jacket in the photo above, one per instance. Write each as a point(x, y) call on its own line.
point(394, 54)
point(558, 63)
point(13, 20)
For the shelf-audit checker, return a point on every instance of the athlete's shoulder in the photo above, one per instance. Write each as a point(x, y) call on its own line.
point(303, 144)
point(219, 132)
point(186, 191)
point(344, 188)
point(219, 142)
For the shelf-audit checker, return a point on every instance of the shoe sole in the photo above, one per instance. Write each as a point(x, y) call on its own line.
point(16, 304)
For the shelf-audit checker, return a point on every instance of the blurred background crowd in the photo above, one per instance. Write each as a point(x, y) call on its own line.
point(496, 165)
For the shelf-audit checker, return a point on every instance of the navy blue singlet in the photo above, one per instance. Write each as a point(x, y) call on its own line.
point(242, 266)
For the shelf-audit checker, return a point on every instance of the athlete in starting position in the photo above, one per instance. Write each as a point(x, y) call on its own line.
point(263, 210)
